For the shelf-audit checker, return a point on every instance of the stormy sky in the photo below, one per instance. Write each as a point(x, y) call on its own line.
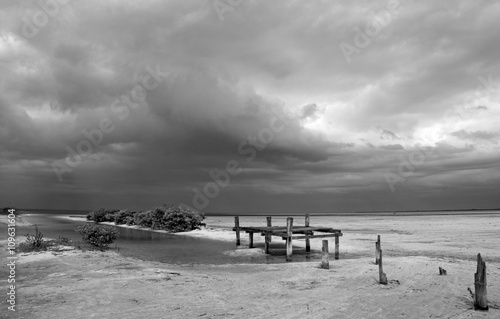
point(250, 106)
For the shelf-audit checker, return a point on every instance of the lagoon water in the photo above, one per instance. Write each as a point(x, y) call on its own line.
point(135, 243)
point(147, 245)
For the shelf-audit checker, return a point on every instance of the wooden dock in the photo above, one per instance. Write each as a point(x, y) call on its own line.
point(288, 233)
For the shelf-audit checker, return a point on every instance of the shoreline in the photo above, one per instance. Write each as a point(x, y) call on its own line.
point(208, 232)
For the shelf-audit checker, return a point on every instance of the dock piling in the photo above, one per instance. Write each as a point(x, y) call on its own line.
point(325, 263)
point(377, 250)
point(237, 229)
point(308, 244)
point(250, 239)
point(268, 236)
point(289, 249)
point(337, 247)
point(382, 275)
point(481, 300)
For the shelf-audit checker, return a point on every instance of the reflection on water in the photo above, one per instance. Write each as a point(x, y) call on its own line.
point(155, 246)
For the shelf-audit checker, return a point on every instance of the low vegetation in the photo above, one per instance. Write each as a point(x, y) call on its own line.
point(167, 217)
point(97, 236)
point(33, 242)
point(5, 211)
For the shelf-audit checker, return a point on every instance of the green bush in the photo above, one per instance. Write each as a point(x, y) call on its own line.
point(102, 215)
point(124, 217)
point(97, 235)
point(168, 217)
point(33, 242)
point(157, 218)
point(178, 219)
point(144, 219)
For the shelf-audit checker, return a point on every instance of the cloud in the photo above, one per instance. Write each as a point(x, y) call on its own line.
point(415, 85)
point(477, 135)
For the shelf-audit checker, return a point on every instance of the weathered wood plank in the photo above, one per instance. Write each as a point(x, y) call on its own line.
point(297, 230)
point(308, 236)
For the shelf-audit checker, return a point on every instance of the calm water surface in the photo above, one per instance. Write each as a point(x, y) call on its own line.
point(153, 246)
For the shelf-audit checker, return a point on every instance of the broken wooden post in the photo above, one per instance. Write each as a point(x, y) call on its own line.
point(381, 274)
point(442, 271)
point(337, 247)
point(250, 239)
point(325, 263)
point(289, 227)
point(308, 244)
point(377, 250)
point(481, 300)
point(237, 229)
point(268, 237)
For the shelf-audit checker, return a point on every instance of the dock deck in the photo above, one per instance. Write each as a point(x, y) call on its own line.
point(288, 233)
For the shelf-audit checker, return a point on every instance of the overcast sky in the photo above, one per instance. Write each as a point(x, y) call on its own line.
point(250, 106)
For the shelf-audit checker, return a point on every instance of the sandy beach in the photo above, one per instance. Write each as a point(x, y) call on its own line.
point(107, 285)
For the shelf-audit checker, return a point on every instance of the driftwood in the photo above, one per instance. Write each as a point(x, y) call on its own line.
point(480, 300)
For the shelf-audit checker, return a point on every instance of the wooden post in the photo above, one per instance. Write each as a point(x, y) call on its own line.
point(325, 263)
point(237, 228)
point(382, 275)
point(250, 238)
point(377, 250)
point(337, 247)
point(289, 249)
point(308, 244)
point(268, 237)
point(481, 300)
point(442, 271)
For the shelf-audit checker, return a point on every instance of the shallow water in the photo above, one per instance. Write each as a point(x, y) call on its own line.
point(154, 246)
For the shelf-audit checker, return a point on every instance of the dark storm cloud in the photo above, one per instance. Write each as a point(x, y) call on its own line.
point(222, 84)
